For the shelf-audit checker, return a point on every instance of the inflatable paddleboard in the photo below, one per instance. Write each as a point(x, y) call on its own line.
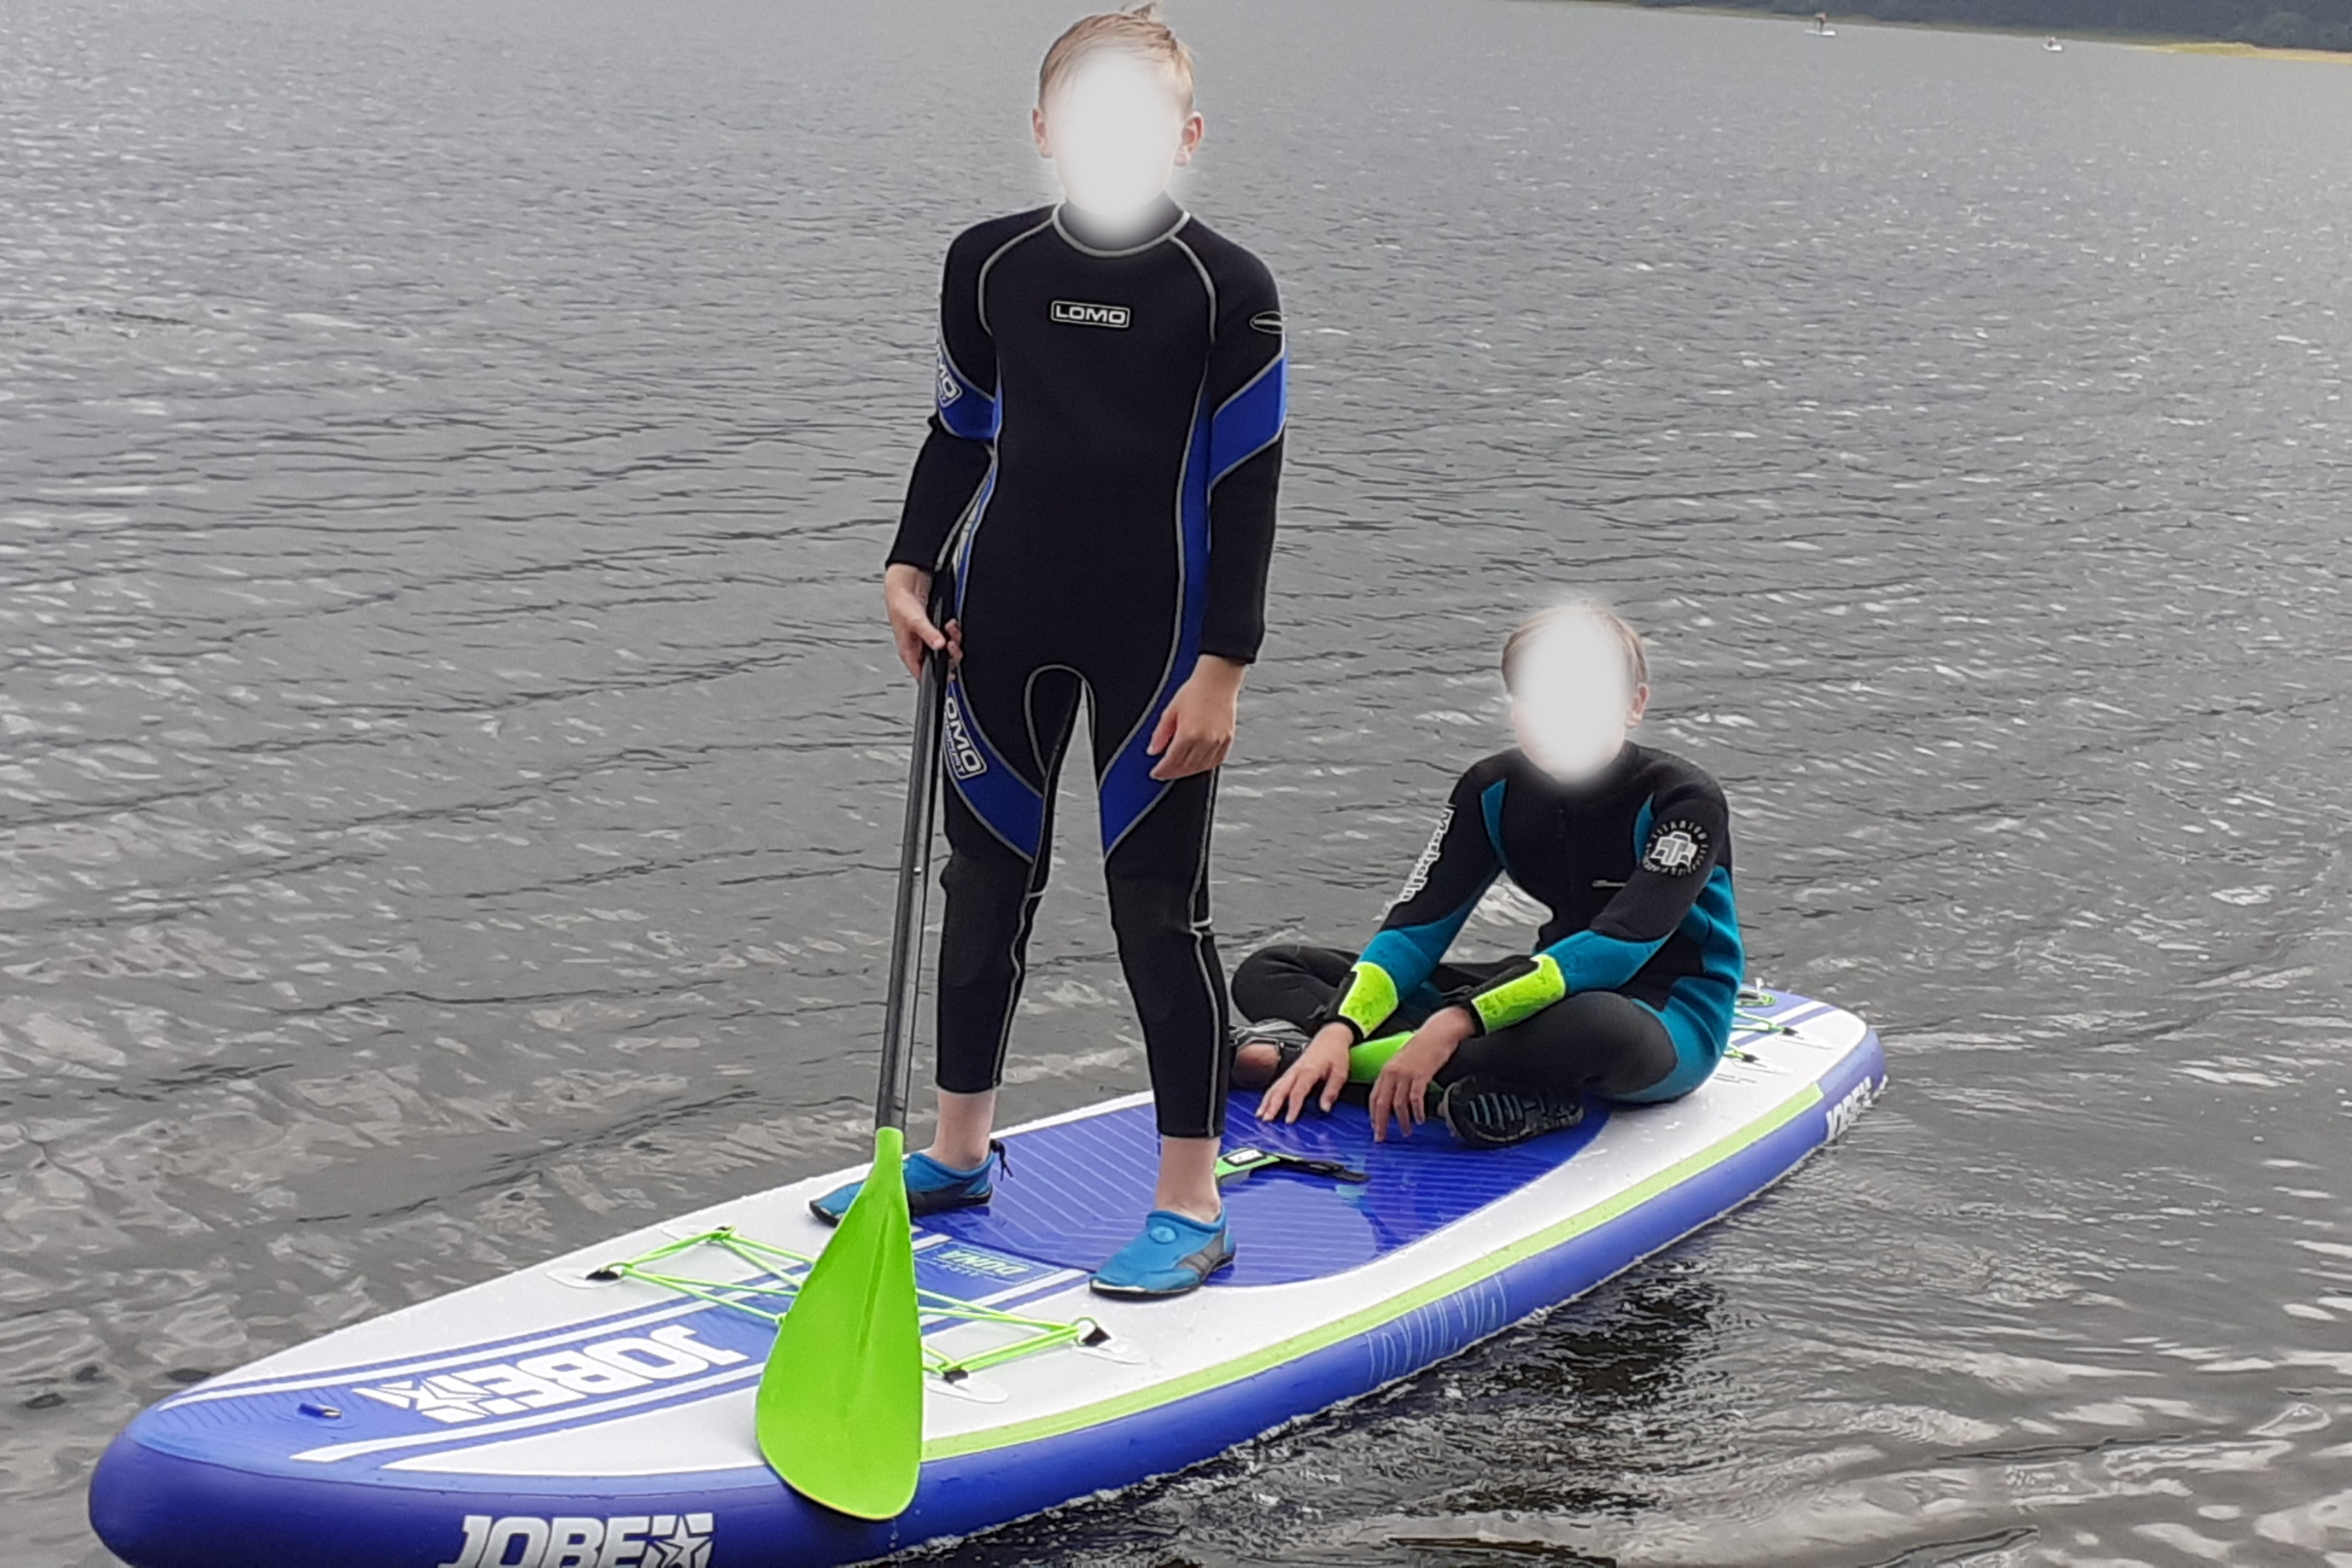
point(597, 1412)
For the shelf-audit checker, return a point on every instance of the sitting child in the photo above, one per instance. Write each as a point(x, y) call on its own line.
point(1629, 993)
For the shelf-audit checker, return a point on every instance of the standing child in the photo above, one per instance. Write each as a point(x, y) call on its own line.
point(1099, 481)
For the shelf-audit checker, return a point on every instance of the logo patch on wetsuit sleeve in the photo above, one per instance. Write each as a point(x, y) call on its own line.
point(964, 760)
point(1269, 322)
point(948, 389)
point(1676, 849)
point(1073, 313)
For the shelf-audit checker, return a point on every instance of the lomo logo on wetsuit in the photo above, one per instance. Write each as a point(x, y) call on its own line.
point(617, 1541)
point(1071, 313)
point(964, 760)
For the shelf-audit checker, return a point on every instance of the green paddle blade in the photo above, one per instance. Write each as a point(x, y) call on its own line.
point(840, 1411)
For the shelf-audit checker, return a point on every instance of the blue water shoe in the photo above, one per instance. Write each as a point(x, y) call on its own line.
point(1175, 1254)
point(932, 1187)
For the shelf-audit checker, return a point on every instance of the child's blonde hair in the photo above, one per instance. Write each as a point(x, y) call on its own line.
point(1637, 657)
point(1138, 30)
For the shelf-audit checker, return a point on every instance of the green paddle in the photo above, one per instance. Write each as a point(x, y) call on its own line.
point(840, 1409)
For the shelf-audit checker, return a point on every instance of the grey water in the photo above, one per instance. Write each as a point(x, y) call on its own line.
point(451, 765)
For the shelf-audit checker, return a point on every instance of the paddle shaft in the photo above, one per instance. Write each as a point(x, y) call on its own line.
point(914, 886)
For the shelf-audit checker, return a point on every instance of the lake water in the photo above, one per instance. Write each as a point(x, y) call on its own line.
point(451, 765)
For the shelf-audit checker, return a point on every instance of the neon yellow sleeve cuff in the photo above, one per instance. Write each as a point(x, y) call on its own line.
point(1370, 999)
point(1520, 996)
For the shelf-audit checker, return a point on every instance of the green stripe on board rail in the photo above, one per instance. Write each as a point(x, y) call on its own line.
point(1374, 1316)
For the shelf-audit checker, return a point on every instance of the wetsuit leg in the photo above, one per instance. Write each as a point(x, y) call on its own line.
point(1295, 981)
point(1699, 1041)
point(1157, 879)
point(1597, 1041)
point(999, 822)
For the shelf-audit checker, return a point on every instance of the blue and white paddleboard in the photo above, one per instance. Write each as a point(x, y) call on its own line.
point(552, 1420)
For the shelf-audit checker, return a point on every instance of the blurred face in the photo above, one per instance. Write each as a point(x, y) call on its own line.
point(1116, 132)
point(1573, 700)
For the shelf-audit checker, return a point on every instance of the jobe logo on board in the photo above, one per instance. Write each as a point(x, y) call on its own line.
point(1071, 313)
point(619, 1541)
point(964, 759)
point(594, 1371)
point(1846, 1112)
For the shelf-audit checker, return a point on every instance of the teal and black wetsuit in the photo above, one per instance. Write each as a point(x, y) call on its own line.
point(1100, 479)
point(1631, 988)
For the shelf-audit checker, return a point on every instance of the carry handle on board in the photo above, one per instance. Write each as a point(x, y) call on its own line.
point(1240, 1165)
point(840, 1409)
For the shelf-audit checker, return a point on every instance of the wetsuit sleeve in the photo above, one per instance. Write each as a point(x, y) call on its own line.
point(1679, 852)
point(955, 458)
point(1445, 884)
point(1248, 399)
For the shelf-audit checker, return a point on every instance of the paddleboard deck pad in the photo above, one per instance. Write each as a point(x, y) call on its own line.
point(573, 1416)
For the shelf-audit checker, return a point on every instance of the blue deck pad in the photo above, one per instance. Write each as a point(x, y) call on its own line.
point(1075, 1193)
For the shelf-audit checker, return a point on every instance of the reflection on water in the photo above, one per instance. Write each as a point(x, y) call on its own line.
point(450, 774)
point(1520, 1447)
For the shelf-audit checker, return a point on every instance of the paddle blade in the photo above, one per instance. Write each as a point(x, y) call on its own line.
point(840, 1410)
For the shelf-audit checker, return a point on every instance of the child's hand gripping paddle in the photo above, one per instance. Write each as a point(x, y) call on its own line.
point(840, 1408)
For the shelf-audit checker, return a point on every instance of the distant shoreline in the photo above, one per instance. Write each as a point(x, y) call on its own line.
point(2167, 43)
point(2254, 51)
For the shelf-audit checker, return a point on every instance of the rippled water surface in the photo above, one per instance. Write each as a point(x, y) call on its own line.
point(450, 774)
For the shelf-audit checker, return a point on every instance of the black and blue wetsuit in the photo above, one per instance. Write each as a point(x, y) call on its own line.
point(1630, 988)
point(1100, 479)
